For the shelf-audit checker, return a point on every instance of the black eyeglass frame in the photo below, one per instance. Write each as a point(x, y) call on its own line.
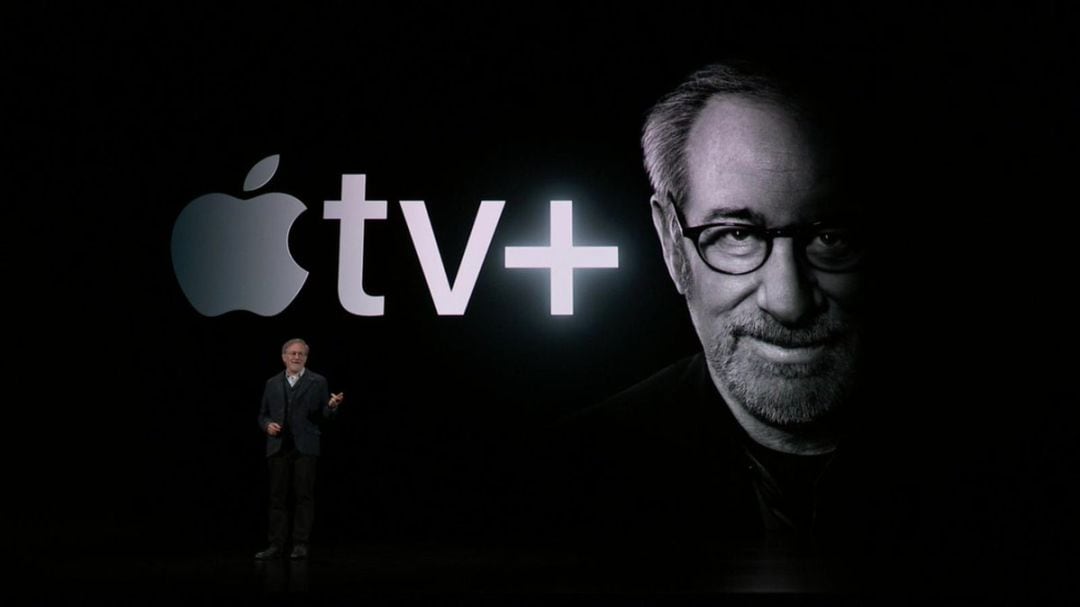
point(800, 233)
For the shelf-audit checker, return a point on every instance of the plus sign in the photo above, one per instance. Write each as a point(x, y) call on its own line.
point(562, 257)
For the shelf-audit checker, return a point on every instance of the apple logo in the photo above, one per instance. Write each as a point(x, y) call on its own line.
point(233, 254)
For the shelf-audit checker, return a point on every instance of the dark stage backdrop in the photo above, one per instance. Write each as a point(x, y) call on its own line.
point(136, 429)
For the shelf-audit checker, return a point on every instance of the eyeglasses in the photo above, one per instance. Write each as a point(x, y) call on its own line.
point(740, 248)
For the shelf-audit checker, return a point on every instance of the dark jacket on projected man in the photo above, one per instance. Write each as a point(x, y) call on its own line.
point(662, 480)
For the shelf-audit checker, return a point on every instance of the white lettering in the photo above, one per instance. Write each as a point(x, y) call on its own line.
point(451, 300)
point(353, 211)
point(562, 257)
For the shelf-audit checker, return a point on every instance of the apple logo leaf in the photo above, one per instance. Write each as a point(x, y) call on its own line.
point(261, 173)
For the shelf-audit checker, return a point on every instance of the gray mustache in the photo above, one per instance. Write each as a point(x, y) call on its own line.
point(821, 332)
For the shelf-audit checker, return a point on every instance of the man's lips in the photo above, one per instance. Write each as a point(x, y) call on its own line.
point(790, 353)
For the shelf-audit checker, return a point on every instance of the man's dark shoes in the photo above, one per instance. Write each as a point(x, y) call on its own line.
point(273, 552)
point(299, 551)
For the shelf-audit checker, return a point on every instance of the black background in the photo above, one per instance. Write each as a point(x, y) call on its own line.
point(136, 415)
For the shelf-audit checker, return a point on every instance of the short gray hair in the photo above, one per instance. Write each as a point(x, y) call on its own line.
point(668, 124)
point(295, 340)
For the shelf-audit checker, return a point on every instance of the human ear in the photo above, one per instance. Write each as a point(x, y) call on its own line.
point(669, 235)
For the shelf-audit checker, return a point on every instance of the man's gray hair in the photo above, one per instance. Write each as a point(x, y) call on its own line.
point(669, 122)
point(295, 340)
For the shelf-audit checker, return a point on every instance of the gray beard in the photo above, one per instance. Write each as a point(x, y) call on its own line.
point(786, 395)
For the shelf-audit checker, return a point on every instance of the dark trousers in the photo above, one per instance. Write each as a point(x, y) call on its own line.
point(295, 470)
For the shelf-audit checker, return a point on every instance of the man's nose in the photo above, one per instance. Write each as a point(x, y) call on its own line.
point(788, 290)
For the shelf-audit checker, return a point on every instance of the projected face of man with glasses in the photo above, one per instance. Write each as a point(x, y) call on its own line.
point(768, 255)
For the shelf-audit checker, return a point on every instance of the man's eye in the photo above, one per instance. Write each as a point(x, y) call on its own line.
point(834, 244)
point(729, 236)
point(732, 242)
point(737, 238)
point(832, 239)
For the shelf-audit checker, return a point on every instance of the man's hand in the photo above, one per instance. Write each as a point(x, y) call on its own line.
point(273, 428)
point(335, 399)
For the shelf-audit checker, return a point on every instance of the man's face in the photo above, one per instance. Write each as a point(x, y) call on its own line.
point(781, 341)
point(295, 357)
